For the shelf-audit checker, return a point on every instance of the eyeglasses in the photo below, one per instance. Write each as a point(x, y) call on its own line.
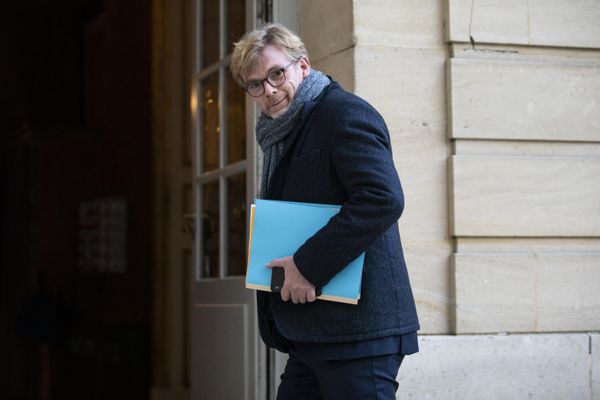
point(275, 78)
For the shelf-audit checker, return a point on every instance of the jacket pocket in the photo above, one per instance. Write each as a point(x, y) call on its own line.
point(308, 159)
point(305, 176)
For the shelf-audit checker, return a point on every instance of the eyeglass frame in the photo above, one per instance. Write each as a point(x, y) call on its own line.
point(262, 81)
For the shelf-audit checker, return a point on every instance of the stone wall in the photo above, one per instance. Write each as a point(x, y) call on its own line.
point(523, 101)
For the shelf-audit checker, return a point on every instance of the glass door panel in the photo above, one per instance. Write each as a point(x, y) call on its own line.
point(236, 19)
point(222, 164)
point(236, 121)
point(236, 209)
point(210, 129)
point(210, 32)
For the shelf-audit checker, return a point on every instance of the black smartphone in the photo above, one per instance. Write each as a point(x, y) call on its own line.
point(277, 278)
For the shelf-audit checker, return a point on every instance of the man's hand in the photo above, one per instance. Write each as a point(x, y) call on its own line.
point(295, 286)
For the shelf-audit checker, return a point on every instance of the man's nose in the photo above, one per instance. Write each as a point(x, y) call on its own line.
point(269, 89)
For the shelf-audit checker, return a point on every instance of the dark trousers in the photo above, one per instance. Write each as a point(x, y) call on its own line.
point(369, 378)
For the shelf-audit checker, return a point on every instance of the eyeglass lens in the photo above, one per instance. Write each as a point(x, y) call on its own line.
point(275, 78)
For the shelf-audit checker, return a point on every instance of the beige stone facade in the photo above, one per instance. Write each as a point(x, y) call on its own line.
point(494, 113)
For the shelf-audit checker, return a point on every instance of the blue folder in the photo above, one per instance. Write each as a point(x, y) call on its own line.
point(278, 229)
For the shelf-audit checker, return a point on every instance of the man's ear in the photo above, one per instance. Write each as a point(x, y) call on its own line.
point(304, 66)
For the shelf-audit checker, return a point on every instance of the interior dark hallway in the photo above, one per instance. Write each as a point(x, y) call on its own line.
point(76, 209)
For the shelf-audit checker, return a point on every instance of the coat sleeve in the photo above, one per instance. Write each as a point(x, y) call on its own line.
point(362, 160)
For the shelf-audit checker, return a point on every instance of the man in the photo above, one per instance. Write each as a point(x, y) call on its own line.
point(322, 144)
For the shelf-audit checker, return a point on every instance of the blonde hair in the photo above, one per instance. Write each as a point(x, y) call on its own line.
point(247, 50)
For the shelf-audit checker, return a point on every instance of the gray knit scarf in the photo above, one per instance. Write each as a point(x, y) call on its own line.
point(271, 134)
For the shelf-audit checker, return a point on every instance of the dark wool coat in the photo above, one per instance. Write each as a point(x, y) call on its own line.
point(342, 155)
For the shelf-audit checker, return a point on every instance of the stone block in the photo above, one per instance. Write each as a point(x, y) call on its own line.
point(494, 293)
point(407, 86)
point(499, 21)
point(399, 23)
point(501, 99)
point(503, 196)
point(421, 158)
point(458, 20)
point(558, 23)
point(565, 23)
point(535, 367)
point(568, 286)
point(326, 27)
point(427, 263)
point(339, 66)
point(547, 292)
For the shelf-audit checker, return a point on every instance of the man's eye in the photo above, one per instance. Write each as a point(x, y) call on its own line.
point(276, 74)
